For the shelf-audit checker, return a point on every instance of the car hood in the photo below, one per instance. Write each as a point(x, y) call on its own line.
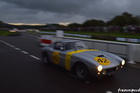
point(107, 60)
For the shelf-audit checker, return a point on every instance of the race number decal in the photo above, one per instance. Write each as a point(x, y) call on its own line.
point(56, 57)
point(102, 61)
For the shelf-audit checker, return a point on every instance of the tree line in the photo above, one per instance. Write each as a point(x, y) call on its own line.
point(119, 20)
point(125, 22)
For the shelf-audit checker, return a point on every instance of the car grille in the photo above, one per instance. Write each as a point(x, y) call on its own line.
point(113, 69)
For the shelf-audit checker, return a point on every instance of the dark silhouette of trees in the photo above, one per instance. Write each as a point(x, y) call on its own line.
point(119, 20)
point(93, 22)
point(124, 19)
point(74, 25)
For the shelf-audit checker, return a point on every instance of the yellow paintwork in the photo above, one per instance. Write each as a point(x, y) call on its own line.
point(69, 54)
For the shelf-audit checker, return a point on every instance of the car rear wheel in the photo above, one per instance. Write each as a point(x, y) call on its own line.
point(45, 59)
point(81, 71)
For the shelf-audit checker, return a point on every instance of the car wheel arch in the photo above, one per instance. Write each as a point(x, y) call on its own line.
point(75, 68)
point(44, 55)
point(78, 62)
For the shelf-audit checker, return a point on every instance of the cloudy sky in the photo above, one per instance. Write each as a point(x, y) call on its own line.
point(56, 11)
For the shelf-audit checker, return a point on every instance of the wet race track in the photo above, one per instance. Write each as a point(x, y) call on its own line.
point(22, 71)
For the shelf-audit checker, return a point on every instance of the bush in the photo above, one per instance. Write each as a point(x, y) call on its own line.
point(104, 37)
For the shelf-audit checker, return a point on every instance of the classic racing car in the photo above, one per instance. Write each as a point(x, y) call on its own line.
point(14, 33)
point(75, 56)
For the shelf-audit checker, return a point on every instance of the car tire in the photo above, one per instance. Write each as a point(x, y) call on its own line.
point(82, 71)
point(45, 59)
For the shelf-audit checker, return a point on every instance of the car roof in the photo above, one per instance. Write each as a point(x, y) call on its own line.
point(67, 40)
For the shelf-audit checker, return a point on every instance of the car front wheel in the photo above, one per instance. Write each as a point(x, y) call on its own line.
point(45, 59)
point(82, 71)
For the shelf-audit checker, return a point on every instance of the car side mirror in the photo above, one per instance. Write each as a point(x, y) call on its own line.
point(62, 48)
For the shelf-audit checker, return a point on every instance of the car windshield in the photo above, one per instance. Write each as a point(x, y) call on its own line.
point(75, 45)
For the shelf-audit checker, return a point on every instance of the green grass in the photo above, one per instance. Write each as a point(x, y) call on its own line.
point(7, 33)
point(116, 34)
point(4, 33)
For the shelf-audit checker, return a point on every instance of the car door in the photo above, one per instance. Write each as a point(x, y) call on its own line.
point(58, 54)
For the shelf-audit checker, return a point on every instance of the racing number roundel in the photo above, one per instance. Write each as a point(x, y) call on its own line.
point(102, 61)
point(56, 57)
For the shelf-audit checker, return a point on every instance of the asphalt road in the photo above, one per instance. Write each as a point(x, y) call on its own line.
point(22, 71)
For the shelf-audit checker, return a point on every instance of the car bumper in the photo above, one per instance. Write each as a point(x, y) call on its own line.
point(109, 71)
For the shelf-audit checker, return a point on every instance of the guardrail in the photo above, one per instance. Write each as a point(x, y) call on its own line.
point(68, 34)
point(133, 40)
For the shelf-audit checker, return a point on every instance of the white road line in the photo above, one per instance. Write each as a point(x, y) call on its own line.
point(11, 46)
point(8, 44)
point(24, 52)
point(17, 48)
point(34, 57)
point(2, 41)
point(20, 50)
point(5, 42)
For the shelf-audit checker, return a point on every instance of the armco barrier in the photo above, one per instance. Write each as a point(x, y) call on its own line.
point(129, 51)
point(135, 52)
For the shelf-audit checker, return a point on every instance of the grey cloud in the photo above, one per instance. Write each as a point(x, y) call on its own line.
point(51, 11)
point(61, 6)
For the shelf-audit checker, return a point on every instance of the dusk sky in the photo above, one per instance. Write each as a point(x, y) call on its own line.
point(56, 11)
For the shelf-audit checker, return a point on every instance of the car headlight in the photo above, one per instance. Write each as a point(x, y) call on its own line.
point(12, 31)
point(100, 68)
point(123, 62)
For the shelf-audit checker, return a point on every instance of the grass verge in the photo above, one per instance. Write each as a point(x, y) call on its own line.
point(4, 33)
point(116, 34)
point(7, 33)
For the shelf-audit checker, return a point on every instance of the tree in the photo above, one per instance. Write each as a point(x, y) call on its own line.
point(124, 19)
point(5, 25)
point(1, 22)
point(93, 22)
point(74, 25)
